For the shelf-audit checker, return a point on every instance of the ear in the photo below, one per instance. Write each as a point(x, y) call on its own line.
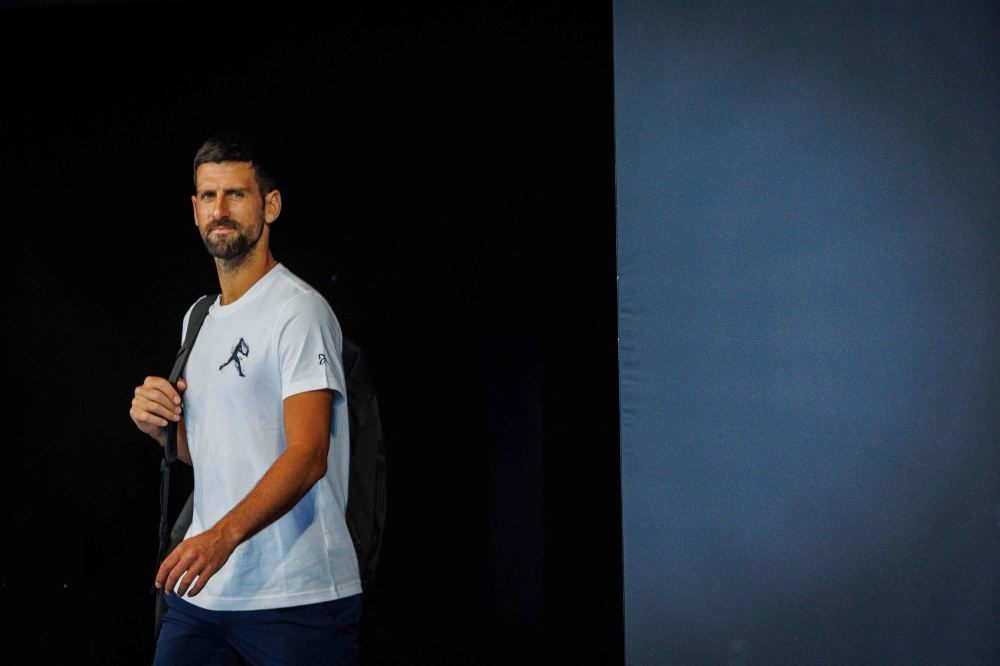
point(272, 206)
point(194, 208)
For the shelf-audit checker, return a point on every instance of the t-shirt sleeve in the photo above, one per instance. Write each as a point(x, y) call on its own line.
point(309, 346)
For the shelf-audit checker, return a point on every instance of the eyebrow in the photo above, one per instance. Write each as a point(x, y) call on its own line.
point(231, 190)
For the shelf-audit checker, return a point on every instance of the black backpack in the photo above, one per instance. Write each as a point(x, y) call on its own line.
point(366, 479)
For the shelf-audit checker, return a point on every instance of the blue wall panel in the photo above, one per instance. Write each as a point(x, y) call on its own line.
point(808, 243)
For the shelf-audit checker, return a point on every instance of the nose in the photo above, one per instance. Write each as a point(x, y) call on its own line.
point(221, 209)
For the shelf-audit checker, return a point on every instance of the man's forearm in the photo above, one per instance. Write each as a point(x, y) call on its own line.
point(282, 486)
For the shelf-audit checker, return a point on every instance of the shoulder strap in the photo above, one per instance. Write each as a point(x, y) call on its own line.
point(197, 318)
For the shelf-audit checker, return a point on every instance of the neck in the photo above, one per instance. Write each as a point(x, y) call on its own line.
point(236, 276)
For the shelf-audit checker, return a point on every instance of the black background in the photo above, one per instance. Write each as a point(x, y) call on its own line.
point(452, 167)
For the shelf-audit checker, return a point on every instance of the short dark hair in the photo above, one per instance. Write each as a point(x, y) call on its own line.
point(234, 147)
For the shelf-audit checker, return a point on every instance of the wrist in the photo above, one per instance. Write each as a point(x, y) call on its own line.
point(228, 532)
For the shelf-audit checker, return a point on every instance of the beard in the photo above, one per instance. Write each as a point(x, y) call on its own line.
point(236, 247)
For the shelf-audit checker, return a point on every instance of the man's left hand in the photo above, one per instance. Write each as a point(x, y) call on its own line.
point(198, 557)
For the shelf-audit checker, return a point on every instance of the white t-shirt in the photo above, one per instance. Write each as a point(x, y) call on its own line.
point(278, 339)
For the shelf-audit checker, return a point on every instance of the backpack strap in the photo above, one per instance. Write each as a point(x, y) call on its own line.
point(197, 318)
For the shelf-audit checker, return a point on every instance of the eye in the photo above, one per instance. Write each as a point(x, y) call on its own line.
point(208, 195)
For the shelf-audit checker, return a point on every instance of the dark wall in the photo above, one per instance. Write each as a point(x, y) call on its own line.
point(808, 247)
point(448, 185)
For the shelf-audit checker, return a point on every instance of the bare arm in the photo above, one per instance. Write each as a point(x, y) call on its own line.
point(307, 433)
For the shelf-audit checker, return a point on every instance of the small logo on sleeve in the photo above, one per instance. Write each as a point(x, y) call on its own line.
point(322, 359)
point(241, 348)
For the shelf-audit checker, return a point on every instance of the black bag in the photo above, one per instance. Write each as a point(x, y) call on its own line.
point(366, 477)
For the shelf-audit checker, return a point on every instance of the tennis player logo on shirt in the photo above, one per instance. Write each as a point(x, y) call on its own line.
point(241, 348)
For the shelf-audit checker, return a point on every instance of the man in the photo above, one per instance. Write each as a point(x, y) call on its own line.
point(268, 567)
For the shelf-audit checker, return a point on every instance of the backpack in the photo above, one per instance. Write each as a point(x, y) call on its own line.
point(365, 514)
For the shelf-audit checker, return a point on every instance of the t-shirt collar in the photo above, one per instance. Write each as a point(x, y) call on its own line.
point(259, 286)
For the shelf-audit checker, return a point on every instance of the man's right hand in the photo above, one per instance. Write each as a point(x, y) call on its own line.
point(155, 403)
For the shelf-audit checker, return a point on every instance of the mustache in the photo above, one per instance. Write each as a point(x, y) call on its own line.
point(222, 223)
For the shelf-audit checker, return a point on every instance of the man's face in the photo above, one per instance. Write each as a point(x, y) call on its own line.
point(228, 209)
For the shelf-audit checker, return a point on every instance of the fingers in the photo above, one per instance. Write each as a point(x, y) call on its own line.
point(189, 570)
point(169, 562)
point(198, 573)
point(148, 423)
point(153, 412)
point(163, 386)
point(179, 571)
point(159, 397)
point(173, 570)
point(188, 577)
point(181, 384)
point(175, 575)
point(155, 403)
point(202, 581)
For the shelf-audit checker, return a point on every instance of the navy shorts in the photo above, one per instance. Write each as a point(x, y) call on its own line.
point(324, 633)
